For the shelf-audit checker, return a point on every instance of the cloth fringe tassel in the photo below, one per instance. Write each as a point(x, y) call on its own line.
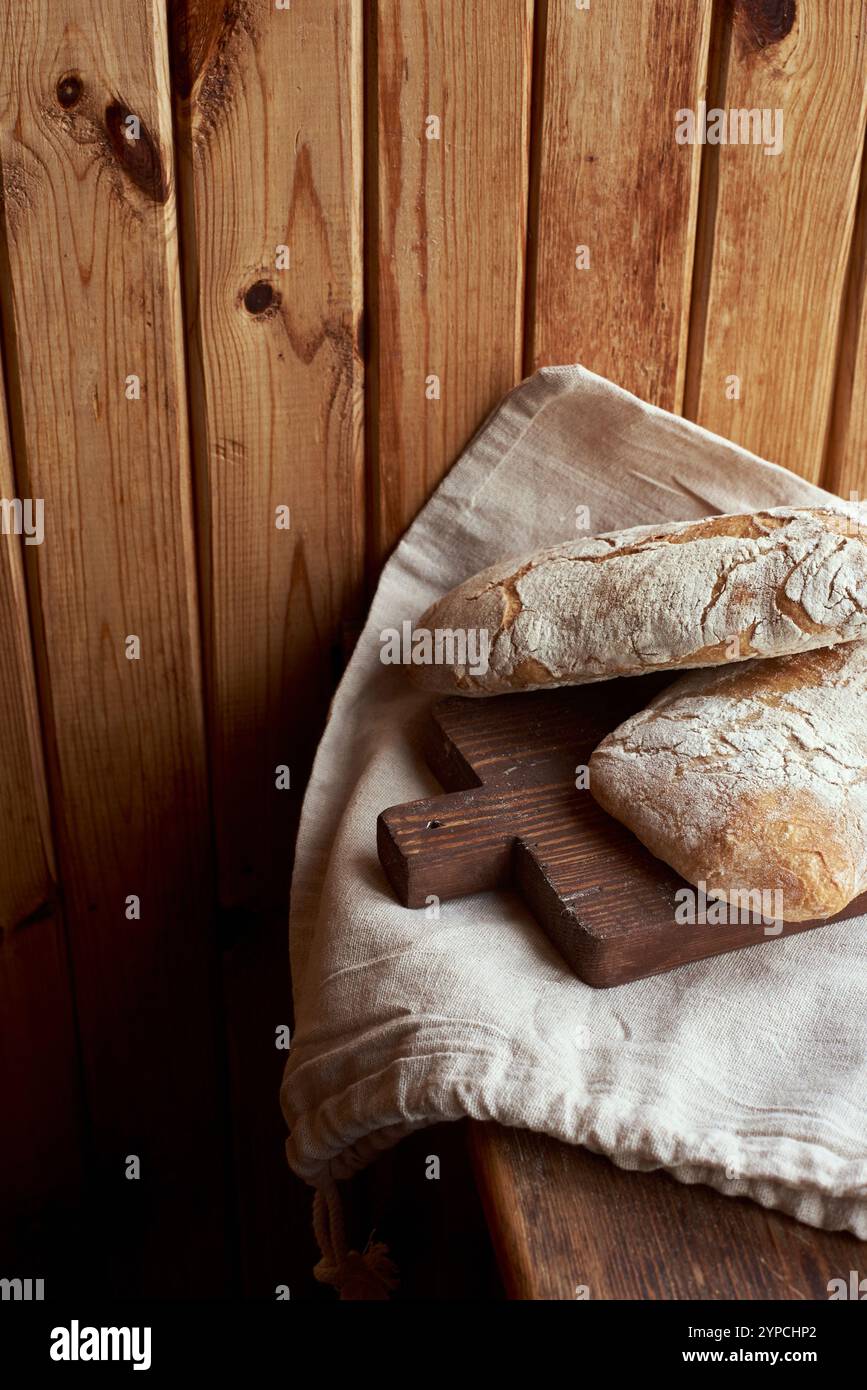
point(368, 1276)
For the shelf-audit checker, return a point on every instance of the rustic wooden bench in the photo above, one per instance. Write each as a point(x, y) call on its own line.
point(564, 1221)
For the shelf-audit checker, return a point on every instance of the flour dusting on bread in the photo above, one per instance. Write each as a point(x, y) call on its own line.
point(752, 778)
point(685, 594)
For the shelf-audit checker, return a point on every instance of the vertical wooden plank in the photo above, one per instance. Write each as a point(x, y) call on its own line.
point(274, 280)
point(846, 463)
point(447, 233)
point(26, 855)
point(613, 180)
point(780, 228)
point(94, 340)
point(274, 294)
point(40, 1154)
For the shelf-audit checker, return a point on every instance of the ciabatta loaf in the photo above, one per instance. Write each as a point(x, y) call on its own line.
point(751, 779)
point(652, 598)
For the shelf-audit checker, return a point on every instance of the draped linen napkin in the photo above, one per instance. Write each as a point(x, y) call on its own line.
point(746, 1072)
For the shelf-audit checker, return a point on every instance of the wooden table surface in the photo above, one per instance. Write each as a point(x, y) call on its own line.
point(562, 1219)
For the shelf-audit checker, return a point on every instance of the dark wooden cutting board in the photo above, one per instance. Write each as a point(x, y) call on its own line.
point(512, 816)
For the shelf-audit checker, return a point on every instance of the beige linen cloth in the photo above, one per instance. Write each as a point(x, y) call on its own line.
point(746, 1072)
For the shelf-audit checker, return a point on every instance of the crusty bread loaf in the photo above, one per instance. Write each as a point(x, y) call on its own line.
point(657, 597)
point(752, 778)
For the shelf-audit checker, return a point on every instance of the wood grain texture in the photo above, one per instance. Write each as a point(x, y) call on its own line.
point(846, 462)
point(561, 1217)
point(776, 240)
point(446, 237)
point(92, 294)
point(611, 178)
point(39, 1156)
point(271, 123)
point(26, 854)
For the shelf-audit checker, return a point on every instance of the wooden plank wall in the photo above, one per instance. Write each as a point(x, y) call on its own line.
point(779, 228)
point(273, 276)
point(448, 155)
point(615, 199)
point(38, 1046)
point(92, 319)
point(274, 295)
point(846, 462)
point(265, 265)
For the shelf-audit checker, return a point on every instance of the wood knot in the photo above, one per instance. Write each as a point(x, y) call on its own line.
point(136, 151)
point(767, 22)
point(260, 297)
point(69, 90)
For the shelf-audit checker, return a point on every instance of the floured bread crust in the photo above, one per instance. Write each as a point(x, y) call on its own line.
point(659, 597)
point(752, 777)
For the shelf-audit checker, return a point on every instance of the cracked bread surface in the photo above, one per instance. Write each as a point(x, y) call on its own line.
point(752, 777)
point(683, 594)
